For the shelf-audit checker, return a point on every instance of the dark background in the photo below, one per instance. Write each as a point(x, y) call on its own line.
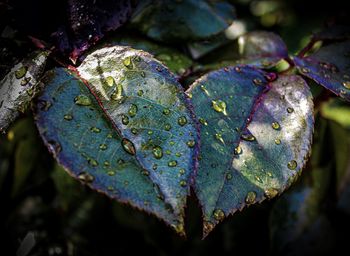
point(44, 209)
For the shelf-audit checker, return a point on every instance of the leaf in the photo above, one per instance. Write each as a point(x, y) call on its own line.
point(176, 61)
point(171, 21)
point(255, 137)
point(88, 22)
point(333, 33)
point(19, 87)
point(262, 49)
point(329, 67)
point(137, 113)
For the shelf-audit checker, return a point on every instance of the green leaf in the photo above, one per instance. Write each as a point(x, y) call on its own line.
point(255, 137)
point(337, 110)
point(126, 130)
point(19, 87)
point(177, 21)
point(329, 67)
point(262, 49)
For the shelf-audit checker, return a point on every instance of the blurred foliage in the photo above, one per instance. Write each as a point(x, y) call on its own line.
point(40, 199)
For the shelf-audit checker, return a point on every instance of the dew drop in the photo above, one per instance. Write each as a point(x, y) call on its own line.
point(205, 90)
point(125, 120)
point(111, 173)
point(218, 136)
point(183, 183)
point(237, 150)
point(172, 163)
point(139, 93)
point(143, 74)
point(21, 72)
point(128, 146)
point(247, 137)
point(182, 120)
point(86, 177)
point(250, 198)
point(132, 110)
point(257, 81)
point(109, 81)
point(238, 69)
point(95, 129)
point(167, 127)
point(219, 106)
point(290, 110)
point(182, 171)
point(117, 94)
point(103, 146)
point(277, 141)
point(203, 121)
point(305, 70)
point(145, 172)
point(346, 84)
point(271, 193)
point(166, 111)
point(158, 152)
point(228, 176)
point(292, 165)
point(127, 62)
point(190, 143)
point(150, 132)
point(219, 214)
point(106, 163)
point(82, 100)
point(25, 81)
point(92, 162)
point(68, 117)
point(275, 125)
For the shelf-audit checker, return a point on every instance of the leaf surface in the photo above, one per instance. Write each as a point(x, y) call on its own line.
point(255, 137)
point(329, 67)
point(19, 87)
point(177, 21)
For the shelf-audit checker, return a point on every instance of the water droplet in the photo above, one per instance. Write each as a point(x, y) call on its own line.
point(103, 146)
point(145, 172)
point(182, 120)
point(247, 137)
point(182, 171)
point(205, 90)
point(150, 132)
point(82, 100)
point(21, 72)
point(271, 193)
point(95, 129)
point(346, 84)
point(155, 166)
point(290, 110)
point(92, 162)
point(219, 106)
point(106, 163)
point(171, 143)
point(257, 81)
point(134, 130)
point(86, 177)
point(342, 91)
point(277, 141)
point(127, 62)
point(158, 152)
point(168, 152)
point(128, 146)
point(120, 161)
point(218, 136)
point(183, 183)
point(143, 74)
point(167, 127)
point(219, 214)
point(109, 81)
point(190, 143)
point(68, 117)
point(132, 110)
point(140, 93)
point(275, 125)
point(125, 120)
point(292, 165)
point(250, 198)
point(237, 150)
point(172, 163)
point(166, 111)
point(117, 93)
point(111, 173)
point(203, 121)
point(228, 176)
point(271, 77)
point(238, 69)
point(25, 81)
point(305, 70)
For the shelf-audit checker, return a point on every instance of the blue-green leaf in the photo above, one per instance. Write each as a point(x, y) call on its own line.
point(170, 21)
point(329, 67)
point(255, 137)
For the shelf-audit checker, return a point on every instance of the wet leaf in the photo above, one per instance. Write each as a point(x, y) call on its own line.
point(185, 20)
point(88, 22)
point(175, 60)
point(329, 67)
point(148, 107)
point(255, 137)
point(19, 87)
point(262, 49)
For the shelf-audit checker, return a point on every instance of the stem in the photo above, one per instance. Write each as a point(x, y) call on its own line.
point(307, 48)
